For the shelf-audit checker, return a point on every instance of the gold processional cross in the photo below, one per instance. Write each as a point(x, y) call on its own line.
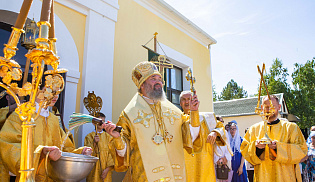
point(162, 65)
point(192, 80)
point(265, 115)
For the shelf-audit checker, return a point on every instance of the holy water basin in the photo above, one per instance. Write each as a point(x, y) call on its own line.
point(70, 167)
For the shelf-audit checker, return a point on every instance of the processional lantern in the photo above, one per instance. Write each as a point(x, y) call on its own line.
point(43, 53)
point(28, 41)
point(30, 35)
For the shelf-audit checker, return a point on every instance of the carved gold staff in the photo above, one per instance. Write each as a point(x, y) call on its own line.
point(94, 105)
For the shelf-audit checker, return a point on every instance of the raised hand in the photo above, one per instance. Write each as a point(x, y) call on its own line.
point(194, 103)
point(109, 128)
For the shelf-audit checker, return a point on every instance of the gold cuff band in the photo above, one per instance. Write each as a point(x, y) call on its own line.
point(119, 144)
point(194, 118)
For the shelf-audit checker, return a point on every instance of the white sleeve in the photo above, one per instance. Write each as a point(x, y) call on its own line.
point(194, 132)
point(122, 152)
point(227, 154)
point(215, 156)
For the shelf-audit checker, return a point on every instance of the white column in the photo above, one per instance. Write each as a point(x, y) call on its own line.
point(210, 70)
point(97, 74)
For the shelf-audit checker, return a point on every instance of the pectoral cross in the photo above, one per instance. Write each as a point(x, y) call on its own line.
point(162, 65)
point(191, 79)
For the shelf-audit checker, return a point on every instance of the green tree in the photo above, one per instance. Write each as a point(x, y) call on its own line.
point(232, 91)
point(303, 79)
point(277, 82)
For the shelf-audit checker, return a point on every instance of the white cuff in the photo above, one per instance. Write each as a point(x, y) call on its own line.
point(194, 132)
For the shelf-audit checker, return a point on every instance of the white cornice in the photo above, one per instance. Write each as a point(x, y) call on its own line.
point(172, 16)
point(107, 8)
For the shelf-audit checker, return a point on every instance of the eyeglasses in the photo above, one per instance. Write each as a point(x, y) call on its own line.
point(232, 128)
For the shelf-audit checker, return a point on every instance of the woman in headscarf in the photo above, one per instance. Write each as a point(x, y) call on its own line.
point(309, 170)
point(238, 167)
point(308, 141)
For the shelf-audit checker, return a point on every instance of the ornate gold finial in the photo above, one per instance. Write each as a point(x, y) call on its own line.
point(191, 79)
point(93, 104)
point(162, 65)
point(155, 34)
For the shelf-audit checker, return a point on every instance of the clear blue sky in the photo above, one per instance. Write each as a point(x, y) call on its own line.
point(252, 32)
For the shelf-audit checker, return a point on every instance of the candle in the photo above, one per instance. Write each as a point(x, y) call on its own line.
point(45, 10)
point(20, 21)
point(52, 22)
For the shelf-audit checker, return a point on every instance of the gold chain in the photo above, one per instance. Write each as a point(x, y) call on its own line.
point(161, 124)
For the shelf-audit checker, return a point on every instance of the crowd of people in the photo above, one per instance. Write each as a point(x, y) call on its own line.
point(159, 142)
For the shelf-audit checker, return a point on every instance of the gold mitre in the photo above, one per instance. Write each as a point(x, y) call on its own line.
point(143, 71)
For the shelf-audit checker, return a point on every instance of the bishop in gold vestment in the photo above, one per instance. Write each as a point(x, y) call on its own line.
point(199, 161)
point(290, 148)
point(151, 144)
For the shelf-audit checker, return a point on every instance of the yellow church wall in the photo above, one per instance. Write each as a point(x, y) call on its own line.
point(75, 23)
point(135, 27)
point(243, 122)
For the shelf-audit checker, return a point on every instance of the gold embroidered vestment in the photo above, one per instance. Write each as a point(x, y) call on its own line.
point(199, 162)
point(105, 156)
point(146, 160)
point(291, 148)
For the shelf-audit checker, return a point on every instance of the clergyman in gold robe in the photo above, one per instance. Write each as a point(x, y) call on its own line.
point(288, 144)
point(48, 137)
point(200, 161)
point(4, 114)
point(102, 170)
point(151, 144)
